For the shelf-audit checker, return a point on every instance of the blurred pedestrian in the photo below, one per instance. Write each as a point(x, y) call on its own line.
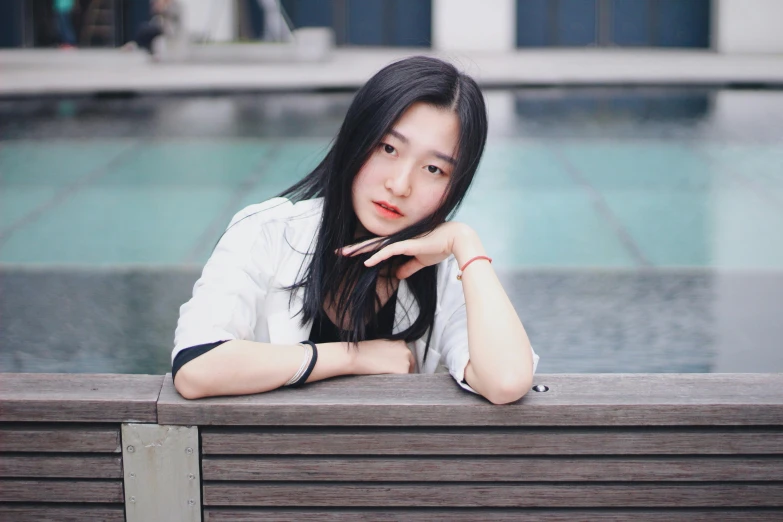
point(63, 11)
point(166, 21)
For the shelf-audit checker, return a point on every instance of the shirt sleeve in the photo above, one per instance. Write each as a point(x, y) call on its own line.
point(454, 340)
point(186, 355)
point(234, 282)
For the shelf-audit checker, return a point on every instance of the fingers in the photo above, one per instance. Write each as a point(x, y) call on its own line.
point(396, 249)
point(358, 248)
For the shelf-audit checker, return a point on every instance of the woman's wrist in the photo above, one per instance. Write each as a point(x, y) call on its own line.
point(466, 245)
point(335, 359)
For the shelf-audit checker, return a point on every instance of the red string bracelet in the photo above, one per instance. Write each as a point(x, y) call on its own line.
point(461, 270)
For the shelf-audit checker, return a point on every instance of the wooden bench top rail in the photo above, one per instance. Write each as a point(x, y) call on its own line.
point(492, 441)
point(57, 513)
point(435, 400)
point(405, 400)
point(44, 397)
point(499, 469)
point(494, 495)
point(58, 438)
point(499, 515)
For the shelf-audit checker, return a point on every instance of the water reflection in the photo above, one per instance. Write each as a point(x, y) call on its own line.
point(590, 113)
point(122, 321)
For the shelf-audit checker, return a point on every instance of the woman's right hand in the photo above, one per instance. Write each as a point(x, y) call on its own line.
point(383, 356)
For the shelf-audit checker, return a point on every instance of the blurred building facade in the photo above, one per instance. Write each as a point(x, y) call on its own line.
point(725, 26)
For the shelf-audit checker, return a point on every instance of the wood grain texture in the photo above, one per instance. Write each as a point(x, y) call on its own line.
point(50, 466)
point(460, 495)
point(436, 400)
point(103, 491)
point(501, 469)
point(54, 438)
point(44, 513)
point(491, 441)
point(41, 397)
point(496, 515)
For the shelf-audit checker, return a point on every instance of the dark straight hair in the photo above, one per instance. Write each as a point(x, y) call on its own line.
point(345, 281)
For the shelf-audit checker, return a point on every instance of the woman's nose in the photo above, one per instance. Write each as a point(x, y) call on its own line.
point(399, 182)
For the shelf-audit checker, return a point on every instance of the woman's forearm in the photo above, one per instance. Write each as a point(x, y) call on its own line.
point(501, 359)
point(245, 367)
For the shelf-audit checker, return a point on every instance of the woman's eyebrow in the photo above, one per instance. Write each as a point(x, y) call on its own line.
point(444, 157)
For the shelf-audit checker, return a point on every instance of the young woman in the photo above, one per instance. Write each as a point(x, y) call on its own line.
point(356, 269)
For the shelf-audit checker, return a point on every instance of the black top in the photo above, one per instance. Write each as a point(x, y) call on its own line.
point(323, 331)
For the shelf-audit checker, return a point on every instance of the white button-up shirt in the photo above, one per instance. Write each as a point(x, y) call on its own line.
point(240, 294)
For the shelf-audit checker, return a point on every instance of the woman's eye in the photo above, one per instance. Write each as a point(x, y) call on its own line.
point(388, 148)
point(434, 170)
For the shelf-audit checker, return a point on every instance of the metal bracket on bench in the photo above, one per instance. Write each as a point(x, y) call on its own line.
point(161, 473)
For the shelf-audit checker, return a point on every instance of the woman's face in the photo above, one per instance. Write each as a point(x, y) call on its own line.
point(409, 171)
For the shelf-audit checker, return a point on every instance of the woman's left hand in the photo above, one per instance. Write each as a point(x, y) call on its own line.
point(429, 249)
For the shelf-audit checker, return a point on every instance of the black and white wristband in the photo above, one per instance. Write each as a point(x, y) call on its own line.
point(306, 368)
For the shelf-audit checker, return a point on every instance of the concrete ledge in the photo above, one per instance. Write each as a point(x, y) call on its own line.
point(37, 72)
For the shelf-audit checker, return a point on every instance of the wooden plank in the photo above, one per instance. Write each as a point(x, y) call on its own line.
point(44, 513)
point(53, 438)
point(460, 495)
point(496, 515)
point(104, 491)
point(504, 441)
point(436, 400)
point(41, 397)
point(49, 466)
point(500, 469)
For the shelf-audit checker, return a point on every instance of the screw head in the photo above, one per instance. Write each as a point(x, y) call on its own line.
point(133, 499)
point(131, 449)
point(191, 476)
point(132, 475)
point(540, 388)
point(191, 502)
point(189, 451)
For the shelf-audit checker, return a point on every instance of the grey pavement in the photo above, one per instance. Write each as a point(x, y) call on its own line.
point(50, 71)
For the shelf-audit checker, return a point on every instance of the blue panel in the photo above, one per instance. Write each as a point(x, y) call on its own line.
point(10, 23)
point(412, 23)
point(683, 23)
point(308, 13)
point(576, 22)
point(133, 15)
point(365, 22)
point(532, 23)
point(631, 23)
point(256, 18)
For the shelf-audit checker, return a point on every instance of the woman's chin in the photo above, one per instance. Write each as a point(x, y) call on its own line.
point(377, 228)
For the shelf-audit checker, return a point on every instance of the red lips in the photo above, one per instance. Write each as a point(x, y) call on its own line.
point(388, 206)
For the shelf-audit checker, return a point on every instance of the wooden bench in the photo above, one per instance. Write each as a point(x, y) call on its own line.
point(410, 447)
point(416, 447)
point(60, 453)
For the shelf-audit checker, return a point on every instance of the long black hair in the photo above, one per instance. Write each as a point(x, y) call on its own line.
point(345, 281)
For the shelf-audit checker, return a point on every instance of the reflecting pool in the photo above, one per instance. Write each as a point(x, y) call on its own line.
point(636, 230)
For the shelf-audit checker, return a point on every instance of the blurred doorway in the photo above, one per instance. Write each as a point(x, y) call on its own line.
point(613, 23)
point(395, 23)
